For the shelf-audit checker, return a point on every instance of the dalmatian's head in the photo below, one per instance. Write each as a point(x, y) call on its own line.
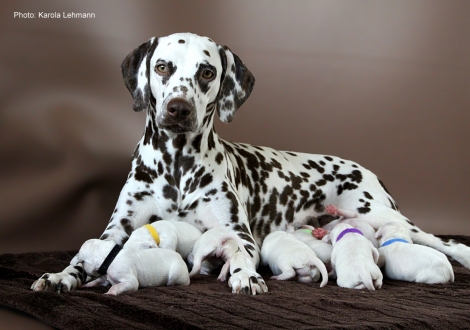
point(182, 78)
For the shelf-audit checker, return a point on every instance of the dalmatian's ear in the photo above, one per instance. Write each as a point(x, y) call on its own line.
point(236, 84)
point(135, 71)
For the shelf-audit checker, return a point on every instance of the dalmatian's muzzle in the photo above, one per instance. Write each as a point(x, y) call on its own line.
point(179, 116)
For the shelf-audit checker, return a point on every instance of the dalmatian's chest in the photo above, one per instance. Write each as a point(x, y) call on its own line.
point(181, 186)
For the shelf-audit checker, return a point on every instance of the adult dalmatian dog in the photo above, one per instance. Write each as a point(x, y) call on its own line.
point(183, 171)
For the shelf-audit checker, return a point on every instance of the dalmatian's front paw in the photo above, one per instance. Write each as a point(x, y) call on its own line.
point(69, 279)
point(58, 282)
point(247, 282)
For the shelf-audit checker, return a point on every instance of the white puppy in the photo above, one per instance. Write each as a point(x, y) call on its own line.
point(351, 218)
point(321, 249)
point(410, 262)
point(216, 242)
point(354, 259)
point(131, 268)
point(174, 235)
point(287, 257)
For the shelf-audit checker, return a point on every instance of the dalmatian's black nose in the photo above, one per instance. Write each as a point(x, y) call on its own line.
point(179, 109)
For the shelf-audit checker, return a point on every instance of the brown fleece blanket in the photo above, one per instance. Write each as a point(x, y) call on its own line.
point(209, 304)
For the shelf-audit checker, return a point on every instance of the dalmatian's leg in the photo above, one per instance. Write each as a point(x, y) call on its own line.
point(244, 277)
point(69, 279)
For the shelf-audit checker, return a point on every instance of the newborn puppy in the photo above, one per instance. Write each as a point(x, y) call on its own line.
point(287, 257)
point(131, 268)
point(410, 262)
point(351, 218)
point(354, 259)
point(322, 250)
point(216, 242)
point(174, 235)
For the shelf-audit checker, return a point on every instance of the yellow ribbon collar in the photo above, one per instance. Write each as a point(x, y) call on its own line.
point(154, 233)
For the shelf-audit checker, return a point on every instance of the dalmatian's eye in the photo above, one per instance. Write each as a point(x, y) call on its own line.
point(161, 69)
point(207, 74)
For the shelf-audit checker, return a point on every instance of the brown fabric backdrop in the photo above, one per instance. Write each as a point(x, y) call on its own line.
point(384, 83)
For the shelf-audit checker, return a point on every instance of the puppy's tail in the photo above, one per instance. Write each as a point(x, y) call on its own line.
point(196, 267)
point(322, 268)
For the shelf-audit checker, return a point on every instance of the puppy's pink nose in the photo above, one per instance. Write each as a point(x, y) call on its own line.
point(179, 109)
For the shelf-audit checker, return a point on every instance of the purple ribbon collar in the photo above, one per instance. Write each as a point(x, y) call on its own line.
point(347, 231)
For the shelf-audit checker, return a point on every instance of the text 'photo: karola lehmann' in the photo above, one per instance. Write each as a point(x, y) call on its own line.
point(42, 14)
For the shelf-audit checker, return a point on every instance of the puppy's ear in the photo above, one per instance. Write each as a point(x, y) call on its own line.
point(236, 84)
point(136, 73)
point(148, 245)
point(379, 233)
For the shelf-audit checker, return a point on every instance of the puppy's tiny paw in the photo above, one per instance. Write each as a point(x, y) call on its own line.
point(319, 233)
